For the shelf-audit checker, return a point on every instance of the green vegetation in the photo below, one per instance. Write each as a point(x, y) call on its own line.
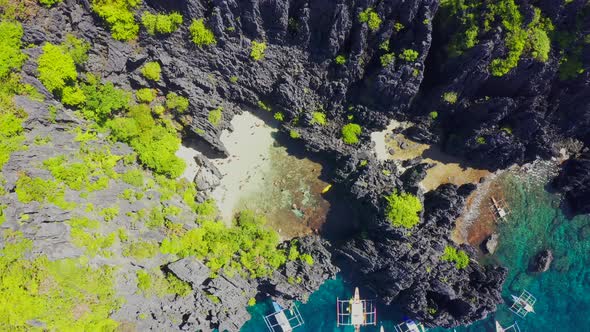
point(102, 100)
point(161, 23)
point(49, 3)
point(56, 68)
point(11, 57)
point(459, 257)
point(387, 59)
point(119, 16)
point(133, 177)
point(63, 295)
point(279, 116)
point(155, 282)
point(152, 71)
point(403, 209)
point(257, 50)
point(76, 48)
point(140, 250)
point(200, 35)
point(520, 39)
point(176, 102)
point(251, 302)
point(370, 17)
point(350, 133)
point(73, 96)
point(409, 55)
point(42, 191)
point(246, 248)
point(146, 95)
point(155, 143)
point(83, 236)
point(294, 134)
point(398, 27)
point(340, 59)
point(263, 106)
point(450, 97)
point(480, 140)
point(215, 116)
point(384, 46)
point(92, 174)
point(110, 213)
point(433, 115)
point(318, 118)
point(11, 134)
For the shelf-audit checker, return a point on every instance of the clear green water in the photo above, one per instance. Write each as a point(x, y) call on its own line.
point(563, 292)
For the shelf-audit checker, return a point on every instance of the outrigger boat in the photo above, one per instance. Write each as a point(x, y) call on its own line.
point(409, 325)
point(523, 304)
point(512, 328)
point(283, 320)
point(356, 312)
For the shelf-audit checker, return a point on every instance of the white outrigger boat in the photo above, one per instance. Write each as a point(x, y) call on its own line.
point(356, 312)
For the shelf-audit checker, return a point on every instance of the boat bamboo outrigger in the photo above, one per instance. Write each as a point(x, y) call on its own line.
point(283, 320)
point(512, 328)
point(356, 312)
point(409, 325)
point(523, 304)
point(499, 209)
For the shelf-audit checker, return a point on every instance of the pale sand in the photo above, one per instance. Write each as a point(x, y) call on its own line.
point(248, 146)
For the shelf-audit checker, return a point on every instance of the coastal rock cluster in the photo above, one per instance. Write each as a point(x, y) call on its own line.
point(492, 122)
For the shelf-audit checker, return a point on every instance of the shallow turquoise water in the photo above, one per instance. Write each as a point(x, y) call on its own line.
point(563, 292)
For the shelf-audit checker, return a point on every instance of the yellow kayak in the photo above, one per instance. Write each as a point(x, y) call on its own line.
point(326, 189)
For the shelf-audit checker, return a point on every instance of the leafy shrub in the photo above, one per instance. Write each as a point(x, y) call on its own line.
point(140, 249)
point(402, 209)
point(176, 102)
point(215, 116)
point(76, 48)
point(318, 118)
point(73, 285)
point(151, 71)
point(119, 16)
point(11, 57)
point(459, 257)
point(49, 3)
point(42, 191)
point(433, 115)
point(154, 143)
point(340, 59)
point(263, 106)
point(480, 140)
point(386, 59)
point(200, 35)
point(257, 50)
point(409, 55)
point(73, 96)
point(350, 133)
point(450, 97)
point(370, 17)
point(110, 213)
point(145, 95)
point(294, 134)
point(102, 99)
point(133, 177)
point(398, 27)
point(279, 116)
point(94, 243)
point(161, 23)
point(245, 248)
point(307, 259)
point(11, 135)
point(56, 68)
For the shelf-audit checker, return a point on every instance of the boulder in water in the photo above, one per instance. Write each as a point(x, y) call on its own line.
point(491, 243)
point(541, 262)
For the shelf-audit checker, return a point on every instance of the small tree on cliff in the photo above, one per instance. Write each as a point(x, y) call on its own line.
point(402, 209)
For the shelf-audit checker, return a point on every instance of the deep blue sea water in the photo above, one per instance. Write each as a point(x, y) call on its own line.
point(536, 222)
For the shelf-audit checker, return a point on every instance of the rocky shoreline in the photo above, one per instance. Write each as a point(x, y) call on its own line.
point(297, 77)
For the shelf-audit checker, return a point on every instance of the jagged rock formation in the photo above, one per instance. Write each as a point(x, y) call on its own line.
point(574, 181)
point(297, 76)
point(541, 262)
